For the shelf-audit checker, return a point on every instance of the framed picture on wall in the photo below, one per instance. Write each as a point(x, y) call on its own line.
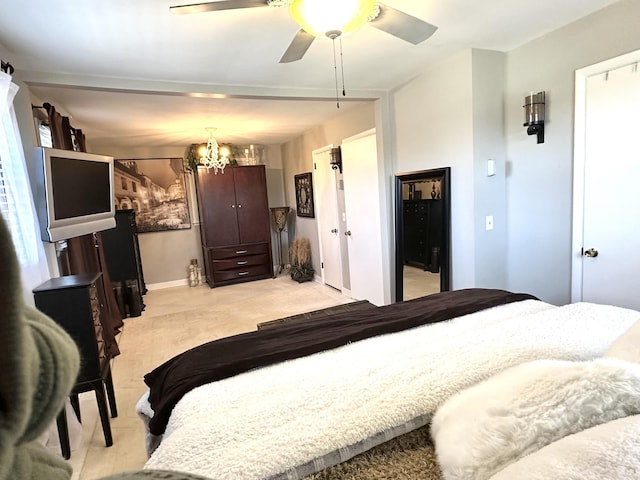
point(155, 189)
point(304, 195)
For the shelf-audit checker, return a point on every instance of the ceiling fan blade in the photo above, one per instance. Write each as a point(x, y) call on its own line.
point(215, 6)
point(402, 25)
point(298, 47)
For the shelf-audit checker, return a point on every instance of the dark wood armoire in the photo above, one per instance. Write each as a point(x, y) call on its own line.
point(234, 224)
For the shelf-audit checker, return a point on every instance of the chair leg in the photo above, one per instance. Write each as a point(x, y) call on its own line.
point(108, 383)
point(104, 414)
point(75, 403)
point(63, 433)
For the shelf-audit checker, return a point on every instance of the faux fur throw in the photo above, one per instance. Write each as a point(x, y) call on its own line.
point(608, 451)
point(259, 424)
point(481, 430)
point(627, 346)
point(38, 365)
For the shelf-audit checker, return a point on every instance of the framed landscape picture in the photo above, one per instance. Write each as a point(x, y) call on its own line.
point(155, 189)
point(304, 195)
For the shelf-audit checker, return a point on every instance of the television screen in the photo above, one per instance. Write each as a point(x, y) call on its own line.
point(73, 192)
point(79, 187)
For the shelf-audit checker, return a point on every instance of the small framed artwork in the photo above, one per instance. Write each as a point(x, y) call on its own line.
point(304, 195)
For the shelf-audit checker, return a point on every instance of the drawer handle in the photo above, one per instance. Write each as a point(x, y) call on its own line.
point(243, 263)
point(242, 274)
point(240, 252)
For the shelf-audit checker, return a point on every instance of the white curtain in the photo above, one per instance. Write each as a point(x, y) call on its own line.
point(16, 200)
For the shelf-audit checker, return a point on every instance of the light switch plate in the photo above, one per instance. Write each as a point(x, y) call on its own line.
point(491, 167)
point(489, 222)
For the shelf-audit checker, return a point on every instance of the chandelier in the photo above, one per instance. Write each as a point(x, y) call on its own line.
point(211, 157)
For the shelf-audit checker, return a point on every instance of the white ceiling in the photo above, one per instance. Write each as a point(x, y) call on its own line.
point(130, 73)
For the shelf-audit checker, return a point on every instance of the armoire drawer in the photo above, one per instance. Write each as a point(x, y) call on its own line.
point(221, 253)
point(240, 273)
point(240, 262)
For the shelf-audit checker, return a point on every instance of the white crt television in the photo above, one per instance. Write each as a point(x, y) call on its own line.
point(73, 193)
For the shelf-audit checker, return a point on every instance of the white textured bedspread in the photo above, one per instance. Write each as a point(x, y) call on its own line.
point(261, 423)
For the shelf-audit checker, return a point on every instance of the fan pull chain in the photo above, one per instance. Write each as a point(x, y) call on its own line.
point(335, 72)
point(344, 93)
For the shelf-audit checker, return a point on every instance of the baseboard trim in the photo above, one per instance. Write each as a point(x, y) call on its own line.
point(174, 283)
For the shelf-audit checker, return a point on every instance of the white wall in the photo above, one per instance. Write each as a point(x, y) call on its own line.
point(433, 123)
point(539, 177)
point(489, 192)
point(276, 198)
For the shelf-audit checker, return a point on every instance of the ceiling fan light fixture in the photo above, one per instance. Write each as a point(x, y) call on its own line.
point(323, 18)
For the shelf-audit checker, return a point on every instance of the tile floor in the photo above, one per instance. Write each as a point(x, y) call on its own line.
point(418, 282)
point(174, 320)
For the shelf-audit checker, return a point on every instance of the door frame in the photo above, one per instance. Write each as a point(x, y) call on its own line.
point(579, 157)
point(445, 249)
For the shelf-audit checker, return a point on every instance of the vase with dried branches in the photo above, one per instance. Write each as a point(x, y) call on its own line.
point(301, 267)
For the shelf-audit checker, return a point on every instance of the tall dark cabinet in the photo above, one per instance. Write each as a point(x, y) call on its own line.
point(235, 225)
point(422, 233)
point(122, 254)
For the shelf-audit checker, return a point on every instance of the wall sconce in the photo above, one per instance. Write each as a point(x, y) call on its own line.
point(335, 159)
point(534, 115)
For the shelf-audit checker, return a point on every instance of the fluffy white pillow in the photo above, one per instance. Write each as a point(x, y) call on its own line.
point(484, 428)
point(627, 345)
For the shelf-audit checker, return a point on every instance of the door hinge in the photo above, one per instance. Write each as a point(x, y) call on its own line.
point(321, 264)
point(314, 166)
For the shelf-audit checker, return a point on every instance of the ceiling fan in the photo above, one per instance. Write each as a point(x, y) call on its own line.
point(307, 13)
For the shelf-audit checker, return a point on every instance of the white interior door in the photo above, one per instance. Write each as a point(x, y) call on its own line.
point(610, 252)
point(327, 215)
point(362, 205)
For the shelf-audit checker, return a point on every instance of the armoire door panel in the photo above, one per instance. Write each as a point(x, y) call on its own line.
point(252, 201)
point(218, 210)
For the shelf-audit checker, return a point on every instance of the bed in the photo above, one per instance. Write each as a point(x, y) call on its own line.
point(287, 402)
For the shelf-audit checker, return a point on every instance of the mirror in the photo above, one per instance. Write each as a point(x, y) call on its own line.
point(423, 233)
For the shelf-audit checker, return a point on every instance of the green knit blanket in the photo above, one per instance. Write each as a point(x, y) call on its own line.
point(38, 366)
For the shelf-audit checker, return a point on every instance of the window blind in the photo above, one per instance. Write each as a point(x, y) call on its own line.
point(4, 201)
